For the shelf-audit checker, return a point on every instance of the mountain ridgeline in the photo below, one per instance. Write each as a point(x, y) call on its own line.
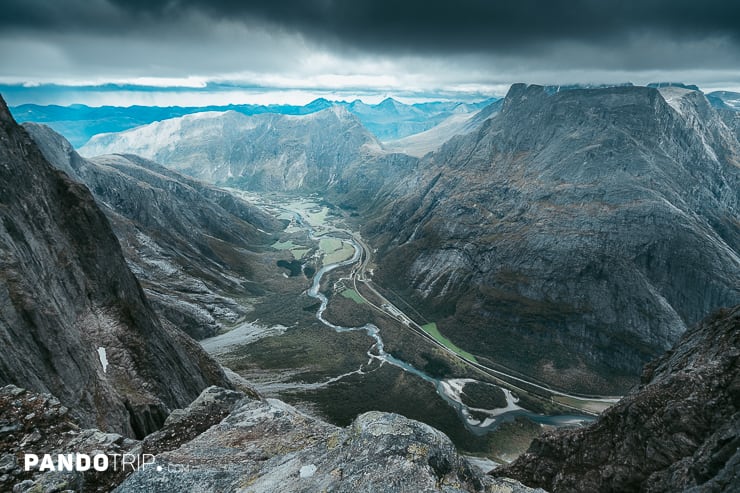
point(568, 234)
point(73, 319)
point(327, 150)
point(574, 235)
point(193, 247)
point(387, 120)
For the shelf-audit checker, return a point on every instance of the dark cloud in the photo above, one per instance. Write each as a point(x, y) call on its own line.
point(450, 46)
point(414, 26)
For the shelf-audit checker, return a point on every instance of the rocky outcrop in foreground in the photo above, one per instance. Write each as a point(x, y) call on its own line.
point(33, 423)
point(678, 431)
point(234, 441)
point(267, 446)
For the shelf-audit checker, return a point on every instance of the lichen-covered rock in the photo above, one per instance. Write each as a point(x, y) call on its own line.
point(39, 424)
point(182, 425)
point(678, 431)
point(267, 446)
point(33, 423)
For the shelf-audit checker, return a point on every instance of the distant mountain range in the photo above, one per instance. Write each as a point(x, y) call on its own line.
point(387, 120)
point(329, 150)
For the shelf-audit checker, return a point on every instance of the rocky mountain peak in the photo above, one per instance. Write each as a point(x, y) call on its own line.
point(511, 230)
point(5, 115)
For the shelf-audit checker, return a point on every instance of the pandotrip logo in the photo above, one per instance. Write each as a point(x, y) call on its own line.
point(78, 462)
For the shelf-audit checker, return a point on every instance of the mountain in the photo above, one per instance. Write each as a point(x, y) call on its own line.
point(679, 430)
point(74, 321)
point(727, 105)
point(725, 99)
point(78, 123)
point(574, 235)
point(327, 149)
point(192, 246)
point(392, 120)
point(458, 123)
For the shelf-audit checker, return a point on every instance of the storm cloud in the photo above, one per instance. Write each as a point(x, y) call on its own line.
point(416, 45)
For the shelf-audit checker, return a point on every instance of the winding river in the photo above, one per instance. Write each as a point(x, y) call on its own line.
point(448, 389)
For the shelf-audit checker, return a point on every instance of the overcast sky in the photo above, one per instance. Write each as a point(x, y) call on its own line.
point(193, 52)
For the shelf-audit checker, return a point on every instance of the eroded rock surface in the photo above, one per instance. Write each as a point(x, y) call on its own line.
point(679, 430)
point(267, 446)
point(575, 235)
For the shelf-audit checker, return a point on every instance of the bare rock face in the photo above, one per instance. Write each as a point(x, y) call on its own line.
point(679, 430)
point(267, 446)
point(574, 236)
point(74, 321)
point(192, 246)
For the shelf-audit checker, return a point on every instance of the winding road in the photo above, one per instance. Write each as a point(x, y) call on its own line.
point(445, 388)
point(388, 308)
point(450, 389)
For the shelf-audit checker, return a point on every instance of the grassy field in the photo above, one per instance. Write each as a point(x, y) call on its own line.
point(329, 245)
point(335, 250)
point(432, 330)
point(586, 405)
point(283, 245)
point(353, 295)
point(298, 253)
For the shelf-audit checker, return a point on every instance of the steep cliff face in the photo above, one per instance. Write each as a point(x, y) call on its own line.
point(262, 152)
point(575, 235)
point(731, 117)
point(74, 321)
point(191, 245)
point(679, 430)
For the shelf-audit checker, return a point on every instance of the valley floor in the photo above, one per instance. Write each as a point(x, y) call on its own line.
point(333, 345)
